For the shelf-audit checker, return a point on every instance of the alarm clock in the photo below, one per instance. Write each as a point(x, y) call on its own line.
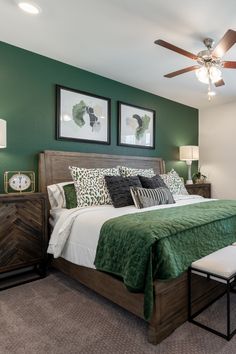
point(19, 182)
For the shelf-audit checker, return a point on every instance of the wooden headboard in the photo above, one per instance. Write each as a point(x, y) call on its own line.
point(53, 165)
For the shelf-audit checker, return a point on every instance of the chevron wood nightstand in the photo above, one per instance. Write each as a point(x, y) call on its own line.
point(203, 189)
point(23, 238)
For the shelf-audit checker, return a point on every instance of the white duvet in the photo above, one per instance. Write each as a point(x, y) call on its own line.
point(76, 231)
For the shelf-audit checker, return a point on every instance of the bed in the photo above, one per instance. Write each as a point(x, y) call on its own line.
point(170, 309)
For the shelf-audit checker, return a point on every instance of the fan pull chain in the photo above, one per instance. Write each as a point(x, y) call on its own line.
point(210, 93)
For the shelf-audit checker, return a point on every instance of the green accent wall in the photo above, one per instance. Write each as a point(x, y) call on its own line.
point(27, 103)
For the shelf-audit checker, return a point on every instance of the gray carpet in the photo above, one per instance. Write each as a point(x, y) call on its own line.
point(57, 315)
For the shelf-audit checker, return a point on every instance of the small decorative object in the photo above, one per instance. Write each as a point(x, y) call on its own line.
point(189, 153)
point(82, 116)
point(136, 126)
point(19, 182)
point(199, 177)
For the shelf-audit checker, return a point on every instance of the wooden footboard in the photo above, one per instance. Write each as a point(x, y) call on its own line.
point(104, 284)
point(171, 296)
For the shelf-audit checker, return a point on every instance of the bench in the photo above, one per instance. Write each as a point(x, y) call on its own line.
point(219, 266)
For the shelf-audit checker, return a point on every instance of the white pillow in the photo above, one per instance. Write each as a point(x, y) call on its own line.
point(174, 182)
point(56, 195)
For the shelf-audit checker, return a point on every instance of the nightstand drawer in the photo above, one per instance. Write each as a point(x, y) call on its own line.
point(203, 189)
point(23, 231)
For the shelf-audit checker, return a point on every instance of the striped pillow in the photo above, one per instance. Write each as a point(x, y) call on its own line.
point(144, 198)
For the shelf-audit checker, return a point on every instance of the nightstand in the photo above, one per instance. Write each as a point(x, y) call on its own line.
point(23, 238)
point(203, 189)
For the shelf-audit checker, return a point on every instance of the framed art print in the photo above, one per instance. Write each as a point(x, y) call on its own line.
point(82, 116)
point(136, 126)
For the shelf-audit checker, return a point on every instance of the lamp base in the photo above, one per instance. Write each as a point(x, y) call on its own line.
point(189, 180)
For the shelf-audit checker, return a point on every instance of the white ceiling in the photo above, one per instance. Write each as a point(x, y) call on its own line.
point(115, 38)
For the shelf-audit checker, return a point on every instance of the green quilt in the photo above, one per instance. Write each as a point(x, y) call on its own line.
point(163, 243)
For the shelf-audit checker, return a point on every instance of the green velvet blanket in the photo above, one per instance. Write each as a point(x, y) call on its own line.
point(163, 243)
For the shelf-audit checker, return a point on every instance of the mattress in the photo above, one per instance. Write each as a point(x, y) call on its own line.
point(76, 231)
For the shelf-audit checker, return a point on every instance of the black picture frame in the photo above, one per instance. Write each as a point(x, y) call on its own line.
point(126, 111)
point(76, 109)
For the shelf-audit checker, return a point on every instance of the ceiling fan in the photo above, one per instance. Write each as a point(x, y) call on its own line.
point(209, 61)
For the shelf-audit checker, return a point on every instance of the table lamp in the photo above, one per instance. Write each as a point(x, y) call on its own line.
point(189, 153)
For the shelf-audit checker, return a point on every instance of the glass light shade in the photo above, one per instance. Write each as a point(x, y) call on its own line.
point(189, 153)
point(211, 93)
point(215, 74)
point(3, 134)
point(29, 7)
point(203, 75)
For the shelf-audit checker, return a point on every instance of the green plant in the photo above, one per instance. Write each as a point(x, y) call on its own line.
point(198, 175)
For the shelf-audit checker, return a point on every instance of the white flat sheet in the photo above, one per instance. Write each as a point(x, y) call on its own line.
point(76, 232)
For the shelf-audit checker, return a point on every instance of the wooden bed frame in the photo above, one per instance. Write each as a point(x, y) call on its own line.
point(170, 309)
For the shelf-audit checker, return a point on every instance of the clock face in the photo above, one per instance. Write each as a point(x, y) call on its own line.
point(19, 182)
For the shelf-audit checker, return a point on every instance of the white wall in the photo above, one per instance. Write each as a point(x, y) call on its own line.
point(217, 141)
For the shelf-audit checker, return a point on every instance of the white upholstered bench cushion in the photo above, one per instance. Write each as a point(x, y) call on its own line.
point(221, 262)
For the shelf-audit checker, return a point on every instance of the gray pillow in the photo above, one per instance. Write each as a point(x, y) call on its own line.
point(144, 198)
point(119, 189)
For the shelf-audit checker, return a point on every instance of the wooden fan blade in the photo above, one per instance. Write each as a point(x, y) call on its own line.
point(229, 64)
point(182, 71)
point(219, 83)
point(176, 49)
point(228, 40)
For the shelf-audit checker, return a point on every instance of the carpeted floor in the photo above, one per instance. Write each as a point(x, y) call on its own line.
point(56, 315)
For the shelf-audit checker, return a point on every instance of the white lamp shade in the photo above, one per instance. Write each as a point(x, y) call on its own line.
point(189, 153)
point(3, 133)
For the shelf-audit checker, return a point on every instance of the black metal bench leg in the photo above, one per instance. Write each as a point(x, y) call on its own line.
point(228, 311)
point(192, 315)
point(189, 294)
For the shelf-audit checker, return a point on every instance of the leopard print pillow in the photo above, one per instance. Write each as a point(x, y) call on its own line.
point(128, 171)
point(90, 185)
point(174, 182)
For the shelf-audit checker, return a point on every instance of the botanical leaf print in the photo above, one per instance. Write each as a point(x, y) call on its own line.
point(78, 111)
point(143, 124)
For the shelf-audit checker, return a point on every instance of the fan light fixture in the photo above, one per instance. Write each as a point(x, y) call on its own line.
point(206, 75)
point(209, 74)
point(208, 61)
point(29, 7)
point(211, 93)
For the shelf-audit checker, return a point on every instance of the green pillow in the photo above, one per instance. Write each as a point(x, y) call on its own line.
point(70, 196)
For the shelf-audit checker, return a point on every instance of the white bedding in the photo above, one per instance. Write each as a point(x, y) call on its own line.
point(76, 231)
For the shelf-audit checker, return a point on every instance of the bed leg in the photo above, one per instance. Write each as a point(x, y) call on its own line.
point(153, 336)
point(154, 331)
